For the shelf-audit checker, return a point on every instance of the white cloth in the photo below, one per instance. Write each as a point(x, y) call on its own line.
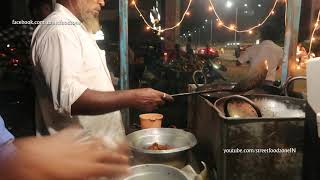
point(67, 61)
point(257, 55)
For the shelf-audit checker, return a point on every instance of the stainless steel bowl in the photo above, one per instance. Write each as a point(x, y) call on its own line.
point(180, 141)
point(155, 172)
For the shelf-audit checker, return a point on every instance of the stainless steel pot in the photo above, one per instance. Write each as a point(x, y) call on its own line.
point(155, 172)
point(180, 141)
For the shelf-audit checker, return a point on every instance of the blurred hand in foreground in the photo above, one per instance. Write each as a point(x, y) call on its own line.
point(64, 157)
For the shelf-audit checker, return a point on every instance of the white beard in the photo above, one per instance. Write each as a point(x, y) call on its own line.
point(89, 20)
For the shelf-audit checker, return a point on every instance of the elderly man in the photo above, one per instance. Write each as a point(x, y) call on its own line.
point(72, 81)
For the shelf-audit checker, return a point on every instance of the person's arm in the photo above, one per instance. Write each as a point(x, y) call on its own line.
point(61, 63)
point(96, 102)
point(63, 156)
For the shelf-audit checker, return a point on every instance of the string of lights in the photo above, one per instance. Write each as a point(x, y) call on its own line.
point(165, 29)
point(312, 39)
point(232, 27)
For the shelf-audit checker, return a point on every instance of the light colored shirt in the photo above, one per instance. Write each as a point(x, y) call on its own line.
point(6, 145)
point(67, 61)
point(265, 51)
point(5, 135)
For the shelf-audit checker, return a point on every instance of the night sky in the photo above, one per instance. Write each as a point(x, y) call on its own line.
point(248, 15)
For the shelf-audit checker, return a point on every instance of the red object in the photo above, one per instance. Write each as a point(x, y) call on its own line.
point(211, 52)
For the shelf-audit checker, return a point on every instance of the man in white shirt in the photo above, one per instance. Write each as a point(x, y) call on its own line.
point(265, 52)
point(72, 81)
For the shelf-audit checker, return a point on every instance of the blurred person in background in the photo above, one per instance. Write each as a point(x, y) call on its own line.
point(189, 49)
point(267, 52)
point(16, 38)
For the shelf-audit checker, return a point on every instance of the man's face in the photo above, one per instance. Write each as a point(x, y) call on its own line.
point(89, 11)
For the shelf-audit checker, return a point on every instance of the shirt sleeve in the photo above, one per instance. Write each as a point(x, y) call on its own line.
point(60, 59)
point(5, 135)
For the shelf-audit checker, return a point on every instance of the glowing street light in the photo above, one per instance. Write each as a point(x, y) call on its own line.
point(188, 13)
point(229, 4)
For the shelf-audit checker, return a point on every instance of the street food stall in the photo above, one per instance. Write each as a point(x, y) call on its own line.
point(276, 123)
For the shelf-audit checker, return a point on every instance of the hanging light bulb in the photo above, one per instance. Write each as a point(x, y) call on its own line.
point(232, 27)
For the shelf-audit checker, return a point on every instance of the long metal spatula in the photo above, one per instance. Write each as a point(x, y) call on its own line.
point(247, 84)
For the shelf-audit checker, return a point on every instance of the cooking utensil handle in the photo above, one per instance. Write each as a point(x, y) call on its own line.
point(203, 92)
point(194, 77)
point(290, 81)
point(247, 100)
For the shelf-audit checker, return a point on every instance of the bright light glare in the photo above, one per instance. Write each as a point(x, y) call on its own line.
point(229, 4)
point(99, 36)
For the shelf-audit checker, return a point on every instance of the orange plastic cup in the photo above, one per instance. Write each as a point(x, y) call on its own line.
point(150, 120)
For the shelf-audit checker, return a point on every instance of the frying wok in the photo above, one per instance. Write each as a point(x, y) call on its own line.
point(252, 81)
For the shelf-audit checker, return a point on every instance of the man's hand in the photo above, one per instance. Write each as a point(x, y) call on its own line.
point(148, 99)
point(93, 102)
point(64, 157)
